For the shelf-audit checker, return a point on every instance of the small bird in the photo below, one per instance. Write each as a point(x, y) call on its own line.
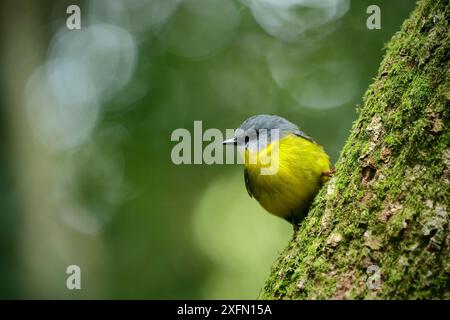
point(301, 165)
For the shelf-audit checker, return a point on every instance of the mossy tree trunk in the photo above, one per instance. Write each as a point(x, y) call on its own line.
point(386, 210)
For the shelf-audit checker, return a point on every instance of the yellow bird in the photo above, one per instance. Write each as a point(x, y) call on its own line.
point(284, 167)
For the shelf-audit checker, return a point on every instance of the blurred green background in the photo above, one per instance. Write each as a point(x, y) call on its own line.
point(86, 117)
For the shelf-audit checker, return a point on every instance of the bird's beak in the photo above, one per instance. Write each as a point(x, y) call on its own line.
point(230, 141)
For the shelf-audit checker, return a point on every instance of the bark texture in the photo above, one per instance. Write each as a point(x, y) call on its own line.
point(386, 210)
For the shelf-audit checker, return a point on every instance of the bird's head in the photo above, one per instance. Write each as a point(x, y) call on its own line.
point(257, 132)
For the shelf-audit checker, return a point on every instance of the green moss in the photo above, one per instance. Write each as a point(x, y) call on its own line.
point(388, 203)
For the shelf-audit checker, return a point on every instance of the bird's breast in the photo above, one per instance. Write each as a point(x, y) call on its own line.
point(285, 176)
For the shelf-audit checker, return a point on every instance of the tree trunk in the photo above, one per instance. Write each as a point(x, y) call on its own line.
point(380, 227)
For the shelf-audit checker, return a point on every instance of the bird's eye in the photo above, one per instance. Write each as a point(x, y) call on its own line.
point(247, 139)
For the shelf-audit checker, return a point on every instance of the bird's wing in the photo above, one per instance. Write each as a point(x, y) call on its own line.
point(300, 133)
point(247, 183)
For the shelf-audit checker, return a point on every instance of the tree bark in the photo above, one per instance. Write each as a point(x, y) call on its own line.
point(386, 210)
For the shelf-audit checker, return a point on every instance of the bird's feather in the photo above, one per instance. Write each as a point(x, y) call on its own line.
point(300, 133)
point(247, 183)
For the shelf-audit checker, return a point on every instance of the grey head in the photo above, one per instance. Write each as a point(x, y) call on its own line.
point(265, 128)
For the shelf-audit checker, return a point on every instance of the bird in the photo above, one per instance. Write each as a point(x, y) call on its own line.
point(300, 165)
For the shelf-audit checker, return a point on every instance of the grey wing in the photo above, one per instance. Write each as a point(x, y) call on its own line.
point(247, 183)
point(300, 133)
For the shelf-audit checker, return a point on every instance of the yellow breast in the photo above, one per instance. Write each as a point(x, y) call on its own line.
point(288, 186)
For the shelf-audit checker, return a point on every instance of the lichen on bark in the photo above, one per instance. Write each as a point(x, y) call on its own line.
point(389, 200)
